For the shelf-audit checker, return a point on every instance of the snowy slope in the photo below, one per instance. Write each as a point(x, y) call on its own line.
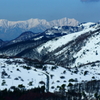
point(58, 42)
point(91, 51)
point(13, 74)
point(28, 36)
point(16, 74)
point(63, 50)
point(69, 50)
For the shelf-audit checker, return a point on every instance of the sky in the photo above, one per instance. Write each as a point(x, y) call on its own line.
point(81, 10)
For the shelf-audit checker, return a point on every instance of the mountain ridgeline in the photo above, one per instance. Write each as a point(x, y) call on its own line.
point(30, 41)
point(65, 46)
point(14, 28)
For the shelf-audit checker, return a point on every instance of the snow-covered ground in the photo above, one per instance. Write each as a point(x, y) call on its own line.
point(16, 74)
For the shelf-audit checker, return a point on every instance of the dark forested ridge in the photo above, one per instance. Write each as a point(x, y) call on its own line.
point(33, 94)
point(82, 91)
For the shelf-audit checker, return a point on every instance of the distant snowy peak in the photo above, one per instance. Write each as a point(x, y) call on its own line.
point(35, 22)
point(65, 21)
point(15, 28)
point(50, 33)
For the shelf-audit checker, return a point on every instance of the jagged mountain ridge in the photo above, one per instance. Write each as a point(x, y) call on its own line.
point(15, 28)
point(60, 50)
point(29, 39)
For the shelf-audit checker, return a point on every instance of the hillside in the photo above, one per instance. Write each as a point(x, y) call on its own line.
point(59, 45)
point(29, 40)
point(16, 71)
point(56, 47)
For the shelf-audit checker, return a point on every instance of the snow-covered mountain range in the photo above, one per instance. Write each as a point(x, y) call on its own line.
point(59, 45)
point(65, 54)
point(11, 29)
point(30, 40)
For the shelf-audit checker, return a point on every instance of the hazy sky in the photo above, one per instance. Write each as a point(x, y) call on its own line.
point(81, 10)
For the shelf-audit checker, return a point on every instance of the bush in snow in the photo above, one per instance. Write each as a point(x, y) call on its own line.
point(3, 83)
point(62, 77)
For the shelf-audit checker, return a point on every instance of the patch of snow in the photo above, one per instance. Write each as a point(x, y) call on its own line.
point(57, 75)
point(38, 38)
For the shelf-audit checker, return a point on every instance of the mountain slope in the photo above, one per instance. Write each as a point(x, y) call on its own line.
point(62, 50)
point(23, 37)
point(29, 39)
point(69, 50)
point(2, 43)
point(14, 28)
